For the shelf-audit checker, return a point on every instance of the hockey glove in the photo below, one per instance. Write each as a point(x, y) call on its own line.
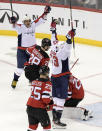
point(50, 106)
point(47, 9)
point(71, 34)
point(13, 20)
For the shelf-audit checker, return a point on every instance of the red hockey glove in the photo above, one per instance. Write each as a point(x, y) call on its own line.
point(71, 34)
point(13, 20)
point(47, 9)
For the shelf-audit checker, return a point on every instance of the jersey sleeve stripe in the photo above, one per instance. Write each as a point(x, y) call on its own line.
point(45, 96)
point(69, 96)
point(69, 93)
point(46, 92)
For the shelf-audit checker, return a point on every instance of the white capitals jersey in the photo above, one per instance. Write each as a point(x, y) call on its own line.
point(60, 54)
point(26, 36)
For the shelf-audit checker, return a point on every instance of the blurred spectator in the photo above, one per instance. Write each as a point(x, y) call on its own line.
point(60, 2)
point(88, 3)
point(97, 4)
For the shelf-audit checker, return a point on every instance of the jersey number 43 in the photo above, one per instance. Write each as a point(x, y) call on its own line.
point(55, 61)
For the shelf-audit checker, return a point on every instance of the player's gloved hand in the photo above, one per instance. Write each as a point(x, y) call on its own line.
point(71, 34)
point(47, 9)
point(13, 20)
point(53, 25)
point(50, 106)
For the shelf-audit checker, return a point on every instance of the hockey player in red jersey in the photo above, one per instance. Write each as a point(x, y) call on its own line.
point(38, 101)
point(60, 54)
point(38, 57)
point(26, 38)
point(75, 96)
point(75, 92)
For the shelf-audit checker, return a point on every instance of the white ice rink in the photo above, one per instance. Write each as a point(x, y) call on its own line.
point(13, 115)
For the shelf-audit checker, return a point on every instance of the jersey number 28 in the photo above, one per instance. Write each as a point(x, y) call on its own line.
point(34, 60)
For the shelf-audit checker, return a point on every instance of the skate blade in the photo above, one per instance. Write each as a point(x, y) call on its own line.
point(54, 126)
point(91, 117)
point(88, 116)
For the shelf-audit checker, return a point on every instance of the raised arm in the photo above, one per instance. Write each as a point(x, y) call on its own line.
point(66, 47)
point(17, 27)
point(42, 19)
point(54, 38)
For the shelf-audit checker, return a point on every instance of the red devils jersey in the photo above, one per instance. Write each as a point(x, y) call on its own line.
point(37, 56)
point(40, 95)
point(75, 88)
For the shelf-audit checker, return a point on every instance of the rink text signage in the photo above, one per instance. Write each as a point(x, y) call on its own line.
point(84, 21)
point(6, 13)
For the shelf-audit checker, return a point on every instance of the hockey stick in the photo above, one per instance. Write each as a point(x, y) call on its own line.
point(11, 7)
point(74, 64)
point(71, 17)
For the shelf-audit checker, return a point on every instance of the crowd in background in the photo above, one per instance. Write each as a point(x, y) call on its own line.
point(96, 4)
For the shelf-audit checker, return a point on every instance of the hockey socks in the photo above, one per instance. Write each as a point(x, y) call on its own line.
point(16, 77)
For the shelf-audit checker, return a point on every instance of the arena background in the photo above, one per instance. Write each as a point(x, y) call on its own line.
point(87, 15)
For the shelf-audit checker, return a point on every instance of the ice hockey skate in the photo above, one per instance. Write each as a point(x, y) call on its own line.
point(14, 83)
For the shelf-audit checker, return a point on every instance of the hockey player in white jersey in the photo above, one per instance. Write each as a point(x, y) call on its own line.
point(60, 54)
point(26, 38)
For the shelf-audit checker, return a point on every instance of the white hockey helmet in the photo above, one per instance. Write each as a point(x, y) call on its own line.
point(26, 17)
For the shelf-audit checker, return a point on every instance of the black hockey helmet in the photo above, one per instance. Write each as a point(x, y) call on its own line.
point(46, 42)
point(44, 69)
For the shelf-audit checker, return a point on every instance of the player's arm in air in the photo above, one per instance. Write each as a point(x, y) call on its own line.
point(54, 38)
point(40, 20)
point(43, 17)
point(66, 47)
point(17, 27)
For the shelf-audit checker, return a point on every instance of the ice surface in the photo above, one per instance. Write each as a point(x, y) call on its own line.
point(13, 115)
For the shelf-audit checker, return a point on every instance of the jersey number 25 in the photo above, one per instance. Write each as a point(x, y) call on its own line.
point(37, 93)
